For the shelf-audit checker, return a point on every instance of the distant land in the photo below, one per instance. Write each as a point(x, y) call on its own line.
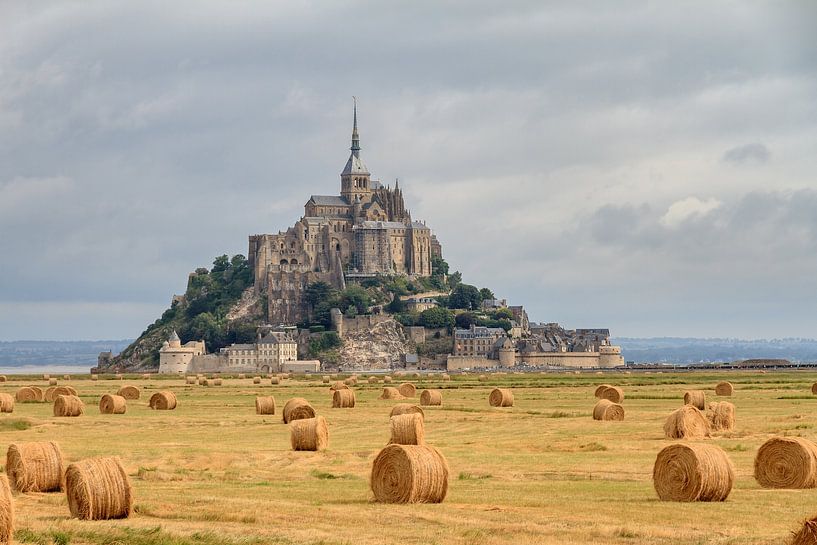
point(28, 353)
point(681, 350)
point(676, 350)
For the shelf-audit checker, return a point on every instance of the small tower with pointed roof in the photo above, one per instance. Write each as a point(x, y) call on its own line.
point(355, 180)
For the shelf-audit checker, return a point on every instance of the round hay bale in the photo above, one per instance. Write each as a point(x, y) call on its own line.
point(446, 377)
point(814, 388)
point(112, 404)
point(612, 393)
point(297, 408)
point(482, 378)
point(309, 433)
point(407, 408)
point(407, 389)
point(241, 376)
point(29, 394)
point(6, 403)
point(409, 474)
point(129, 392)
point(98, 489)
point(284, 376)
point(407, 429)
point(786, 462)
point(35, 467)
point(6, 511)
point(46, 376)
point(256, 380)
point(343, 399)
point(600, 388)
point(686, 423)
point(390, 392)
point(52, 382)
point(387, 379)
point(696, 398)
point(338, 385)
point(118, 376)
point(190, 380)
point(68, 405)
point(163, 401)
point(351, 381)
point(372, 380)
point(145, 376)
point(204, 382)
point(264, 405)
point(724, 389)
point(807, 535)
point(217, 382)
point(721, 416)
point(501, 397)
point(3, 378)
point(66, 377)
point(94, 377)
point(693, 472)
point(275, 380)
point(325, 379)
point(431, 397)
point(607, 410)
point(49, 394)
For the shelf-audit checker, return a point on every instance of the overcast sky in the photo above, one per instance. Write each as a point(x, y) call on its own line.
point(650, 167)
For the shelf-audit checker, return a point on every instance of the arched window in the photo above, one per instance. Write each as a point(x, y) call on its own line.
point(284, 262)
point(293, 261)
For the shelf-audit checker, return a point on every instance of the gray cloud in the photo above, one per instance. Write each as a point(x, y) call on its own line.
point(581, 143)
point(748, 153)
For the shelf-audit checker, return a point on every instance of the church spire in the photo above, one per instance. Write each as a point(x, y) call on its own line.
point(355, 138)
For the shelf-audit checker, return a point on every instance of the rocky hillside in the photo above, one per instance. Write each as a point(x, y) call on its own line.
point(381, 347)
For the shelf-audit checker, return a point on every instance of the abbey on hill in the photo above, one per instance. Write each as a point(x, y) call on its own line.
point(363, 232)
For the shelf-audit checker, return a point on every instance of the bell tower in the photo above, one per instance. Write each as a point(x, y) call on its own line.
point(355, 180)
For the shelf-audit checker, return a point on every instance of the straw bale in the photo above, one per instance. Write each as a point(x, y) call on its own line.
point(693, 472)
point(724, 389)
point(98, 489)
point(431, 397)
point(343, 399)
point(407, 408)
point(721, 416)
point(686, 422)
point(501, 397)
point(787, 462)
point(129, 392)
point(407, 429)
point(6, 403)
point(309, 434)
point(35, 467)
point(613, 393)
point(68, 405)
point(163, 401)
point(607, 410)
point(112, 404)
point(409, 474)
point(696, 398)
point(264, 405)
point(296, 409)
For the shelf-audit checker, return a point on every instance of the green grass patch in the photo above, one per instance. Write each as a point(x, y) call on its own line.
point(16, 424)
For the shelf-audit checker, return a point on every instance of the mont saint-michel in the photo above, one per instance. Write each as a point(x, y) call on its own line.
point(356, 283)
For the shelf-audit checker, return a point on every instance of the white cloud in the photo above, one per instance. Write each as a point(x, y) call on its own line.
point(686, 209)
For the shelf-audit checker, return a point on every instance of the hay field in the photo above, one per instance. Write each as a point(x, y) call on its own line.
point(542, 471)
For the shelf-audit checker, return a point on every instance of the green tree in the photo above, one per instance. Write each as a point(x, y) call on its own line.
point(465, 296)
point(502, 314)
point(357, 296)
point(436, 317)
point(486, 294)
point(455, 279)
point(439, 267)
point(464, 320)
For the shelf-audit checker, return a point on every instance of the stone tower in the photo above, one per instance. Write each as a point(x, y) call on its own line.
point(355, 180)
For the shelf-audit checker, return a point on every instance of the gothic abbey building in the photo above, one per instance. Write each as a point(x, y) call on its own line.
point(363, 232)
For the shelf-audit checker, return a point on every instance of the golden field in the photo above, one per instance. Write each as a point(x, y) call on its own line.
point(543, 471)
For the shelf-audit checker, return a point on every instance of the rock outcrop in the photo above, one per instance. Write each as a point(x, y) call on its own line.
point(380, 347)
